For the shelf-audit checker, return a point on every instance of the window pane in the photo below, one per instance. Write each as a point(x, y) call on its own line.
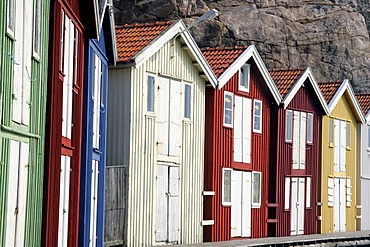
point(244, 78)
point(331, 129)
point(187, 100)
point(227, 186)
point(11, 14)
point(257, 126)
point(348, 137)
point(256, 188)
point(309, 128)
point(150, 95)
point(37, 26)
point(288, 130)
point(228, 109)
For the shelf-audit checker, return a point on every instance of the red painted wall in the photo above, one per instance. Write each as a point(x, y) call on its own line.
point(56, 145)
point(281, 163)
point(219, 154)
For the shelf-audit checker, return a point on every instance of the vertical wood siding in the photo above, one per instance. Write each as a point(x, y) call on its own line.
point(132, 136)
point(342, 111)
point(305, 100)
point(219, 154)
point(33, 134)
point(365, 177)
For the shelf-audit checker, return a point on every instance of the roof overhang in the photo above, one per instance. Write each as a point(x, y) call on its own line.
point(91, 18)
point(112, 27)
point(250, 52)
point(177, 29)
point(307, 74)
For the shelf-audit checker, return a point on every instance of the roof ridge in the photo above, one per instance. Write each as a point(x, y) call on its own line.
point(147, 24)
point(331, 82)
point(287, 69)
point(219, 48)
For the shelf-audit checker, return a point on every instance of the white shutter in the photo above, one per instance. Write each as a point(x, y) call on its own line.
point(247, 129)
point(348, 192)
point(330, 192)
point(295, 155)
point(96, 99)
point(65, 171)
point(175, 137)
point(173, 205)
point(238, 132)
point(287, 193)
point(343, 144)
point(67, 23)
point(294, 207)
point(162, 206)
point(246, 204)
point(302, 151)
point(336, 144)
point(236, 208)
point(308, 193)
point(12, 193)
point(336, 205)
point(342, 197)
point(301, 208)
point(93, 202)
point(162, 117)
point(70, 77)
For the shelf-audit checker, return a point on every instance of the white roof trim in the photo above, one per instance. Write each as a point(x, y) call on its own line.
point(113, 31)
point(368, 117)
point(251, 51)
point(346, 86)
point(176, 29)
point(298, 84)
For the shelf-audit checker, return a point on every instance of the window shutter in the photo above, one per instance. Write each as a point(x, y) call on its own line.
point(70, 77)
point(162, 118)
point(236, 208)
point(287, 193)
point(246, 204)
point(337, 203)
point(173, 210)
point(175, 137)
point(96, 99)
point(65, 170)
point(336, 144)
point(238, 132)
point(303, 134)
point(294, 207)
point(301, 189)
point(161, 201)
point(330, 192)
point(348, 192)
point(295, 156)
point(94, 202)
point(308, 193)
point(342, 164)
point(247, 129)
point(342, 209)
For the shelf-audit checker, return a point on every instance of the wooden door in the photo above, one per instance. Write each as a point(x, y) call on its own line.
point(94, 202)
point(339, 204)
point(297, 206)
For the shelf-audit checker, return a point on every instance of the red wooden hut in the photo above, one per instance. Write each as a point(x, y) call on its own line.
point(72, 22)
point(237, 134)
point(295, 154)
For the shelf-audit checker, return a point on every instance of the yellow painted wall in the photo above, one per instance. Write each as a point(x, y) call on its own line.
point(342, 111)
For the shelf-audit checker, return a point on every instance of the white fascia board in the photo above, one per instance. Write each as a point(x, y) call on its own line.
point(113, 31)
point(368, 117)
point(307, 74)
point(96, 15)
point(251, 51)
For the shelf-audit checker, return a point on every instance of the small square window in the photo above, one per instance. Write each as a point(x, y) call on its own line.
point(309, 127)
point(226, 186)
point(257, 116)
point(331, 131)
point(288, 126)
point(150, 94)
point(187, 110)
point(228, 109)
point(256, 189)
point(348, 134)
point(244, 78)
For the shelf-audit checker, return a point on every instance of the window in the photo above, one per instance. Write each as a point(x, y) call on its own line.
point(256, 189)
point(226, 186)
point(257, 117)
point(309, 127)
point(288, 126)
point(331, 131)
point(244, 78)
point(228, 109)
point(96, 96)
point(150, 94)
point(348, 134)
point(11, 17)
point(37, 28)
point(368, 137)
point(187, 110)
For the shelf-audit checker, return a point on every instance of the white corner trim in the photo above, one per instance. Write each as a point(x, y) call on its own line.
point(208, 222)
point(208, 193)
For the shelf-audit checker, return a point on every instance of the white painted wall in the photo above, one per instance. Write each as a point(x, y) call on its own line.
point(365, 177)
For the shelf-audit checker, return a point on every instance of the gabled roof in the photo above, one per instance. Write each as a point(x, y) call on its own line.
point(227, 61)
point(138, 42)
point(289, 81)
point(107, 24)
point(335, 90)
point(364, 102)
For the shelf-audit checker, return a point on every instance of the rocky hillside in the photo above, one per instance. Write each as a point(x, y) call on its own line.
point(331, 36)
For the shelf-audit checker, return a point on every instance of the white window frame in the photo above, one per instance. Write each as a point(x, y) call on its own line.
point(309, 130)
point(11, 16)
point(226, 93)
point(291, 126)
point(225, 203)
point(36, 46)
point(152, 110)
point(348, 134)
point(331, 132)
point(256, 101)
point(368, 138)
point(257, 204)
point(244, 83)
point(190, 101)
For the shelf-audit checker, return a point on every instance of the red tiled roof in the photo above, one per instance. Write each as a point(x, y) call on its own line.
point(364, 101)
point(328, 89)
point(285, 78)
point(133, 38)
point(220, 59)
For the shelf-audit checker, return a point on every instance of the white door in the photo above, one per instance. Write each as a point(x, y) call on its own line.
point(162, 205)
point(93, 202)
point(17, 193)
point(297, 206)
point(242, 129)
point(162, 115)
point(175, 133)
point(339, 204)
